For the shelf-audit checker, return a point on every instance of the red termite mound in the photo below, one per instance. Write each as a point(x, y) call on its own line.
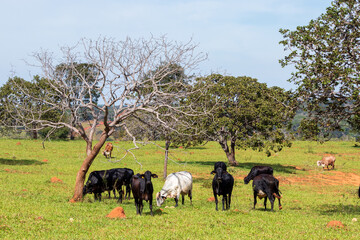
point(211, 199)
point(55, 180)
point(117, 213)
point(335, 224)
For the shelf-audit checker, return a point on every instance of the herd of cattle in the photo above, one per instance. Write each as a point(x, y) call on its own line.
point(265, 185)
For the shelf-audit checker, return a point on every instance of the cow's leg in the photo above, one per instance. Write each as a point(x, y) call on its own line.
point(137, 206)
point(141, 206)
point(99, 197)
point(183, 199)
point(176, 201)
point(150, 204)
point(272, 200)
point(265, 200)
point(229, 200)
point(120, 195)
point(128, 191)
point(216, 201)
point(255, 195)
point(190, 196)
point(280, 207)
point(224, 199)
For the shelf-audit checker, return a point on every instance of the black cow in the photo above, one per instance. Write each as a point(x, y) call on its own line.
point(359, 192)
point(257, 170)
point(266, 186)
point(126, 180)
point(105, 180)
point(220, 164)
point(222, 184)
point(142, 189)
point(95, 184)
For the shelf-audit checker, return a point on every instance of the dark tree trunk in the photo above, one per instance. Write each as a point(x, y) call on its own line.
point(72, 135)
point(167, 146)
point(230, 153)
point(34, 132)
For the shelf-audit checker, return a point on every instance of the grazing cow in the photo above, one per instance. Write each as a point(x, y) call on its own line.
point(359, 192)
point(142, 189)
point(128, 173)
point(222, 184)
point(220, 164)
point(266, 186)
point(95, 184)
point(108, 150)
point(327, 161)
point(257, 170)
point(105, 180)
point(175, 184)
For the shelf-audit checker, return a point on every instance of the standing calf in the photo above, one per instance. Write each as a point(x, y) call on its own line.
point(108, 150)
point(327, 161)
point(257, 170)
point(266, 186)
point(175, 184)
point(142, 189)
point(222, 184)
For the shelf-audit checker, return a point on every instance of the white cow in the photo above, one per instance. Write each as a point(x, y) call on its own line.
point(175, 184)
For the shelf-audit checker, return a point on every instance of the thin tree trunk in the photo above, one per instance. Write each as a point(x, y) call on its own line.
point(167, 145)
point(80, 177)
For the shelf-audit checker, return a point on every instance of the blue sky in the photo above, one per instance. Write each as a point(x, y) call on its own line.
point(240, 36)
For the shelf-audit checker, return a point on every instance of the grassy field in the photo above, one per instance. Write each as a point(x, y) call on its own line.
point(33, 207)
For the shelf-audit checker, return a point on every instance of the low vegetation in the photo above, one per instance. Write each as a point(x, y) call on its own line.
point(37, 184)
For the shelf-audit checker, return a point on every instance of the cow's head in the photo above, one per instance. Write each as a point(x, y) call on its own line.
point(160, 199)
point(218, 173)
point(320, 164)
point(147, 176)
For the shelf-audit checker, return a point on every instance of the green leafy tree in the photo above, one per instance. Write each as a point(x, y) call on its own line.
point(326, 57)
point(14, 98)
point(246, 114)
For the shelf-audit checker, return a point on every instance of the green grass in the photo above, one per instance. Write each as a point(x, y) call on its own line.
point(32, 207)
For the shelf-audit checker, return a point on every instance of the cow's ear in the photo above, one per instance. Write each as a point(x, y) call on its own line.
point(142, 175)
point(154, 175)
point(212, 172)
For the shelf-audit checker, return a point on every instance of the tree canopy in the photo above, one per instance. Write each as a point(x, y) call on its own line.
point(326, 57)
point(245, 112)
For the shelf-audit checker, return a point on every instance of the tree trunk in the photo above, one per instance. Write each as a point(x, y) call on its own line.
point(72, 134)
point(167, 145)
point(229, 154)
point(80, 177)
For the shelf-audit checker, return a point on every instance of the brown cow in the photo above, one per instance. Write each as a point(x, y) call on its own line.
point(108, 150)
point(326, 161)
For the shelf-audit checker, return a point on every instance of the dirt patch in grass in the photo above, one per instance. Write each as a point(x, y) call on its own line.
point(330, 178)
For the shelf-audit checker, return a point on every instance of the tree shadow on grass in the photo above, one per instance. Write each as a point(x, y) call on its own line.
point(332, 209)
point(19, 162)
point(248, 165)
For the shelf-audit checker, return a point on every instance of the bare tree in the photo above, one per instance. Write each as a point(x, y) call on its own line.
point(120, 72)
